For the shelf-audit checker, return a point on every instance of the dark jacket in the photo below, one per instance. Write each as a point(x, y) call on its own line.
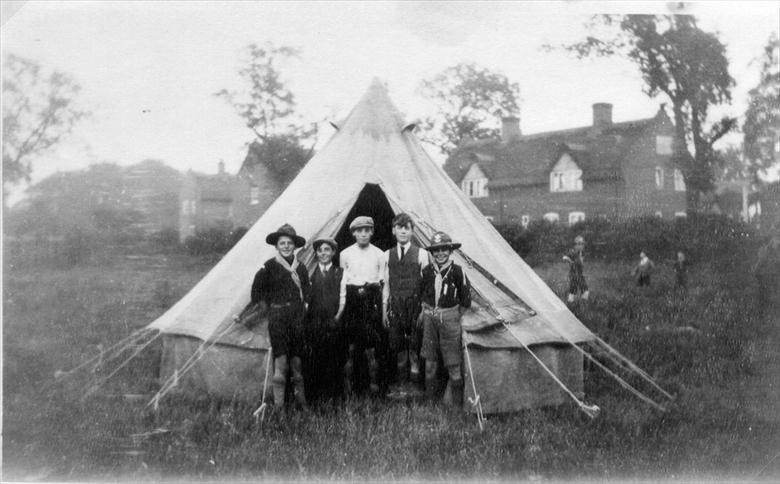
point(455, 288)
point(273, 284)
point(325, 293)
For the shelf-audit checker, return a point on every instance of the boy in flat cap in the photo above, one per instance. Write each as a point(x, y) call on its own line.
point(328, 296)
point(445, 293)
point(281, 287)
point(363, 265)
point(400, 301)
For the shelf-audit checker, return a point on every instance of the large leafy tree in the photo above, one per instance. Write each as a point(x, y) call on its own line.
point(39, 110)
point(267, 106)
point(688, 65)
point(762, 119)
point(470, 99)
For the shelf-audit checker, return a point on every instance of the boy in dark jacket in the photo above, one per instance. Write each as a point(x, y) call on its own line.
point(281, 287)
point(445, 293)
point(328, 296)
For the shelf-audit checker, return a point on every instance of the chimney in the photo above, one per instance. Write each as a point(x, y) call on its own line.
point(602, 115)
point(510, 128)
point(221, 167)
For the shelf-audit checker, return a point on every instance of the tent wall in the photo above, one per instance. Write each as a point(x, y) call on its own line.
point(509, 379)
point(224, 371)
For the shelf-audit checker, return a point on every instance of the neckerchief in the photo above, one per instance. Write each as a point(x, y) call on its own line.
point(441, 273)
point(292, 270)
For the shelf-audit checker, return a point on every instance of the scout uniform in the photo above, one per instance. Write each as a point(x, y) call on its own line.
point(282, 286)
point(363, 272)
point(325, 335)
point(445, 292)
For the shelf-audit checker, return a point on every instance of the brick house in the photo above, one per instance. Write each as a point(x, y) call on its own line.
point(206, 201)
point(612, 170)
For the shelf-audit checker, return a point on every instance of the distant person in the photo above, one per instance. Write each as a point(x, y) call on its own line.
point(401, 303)
point(643, 270)
point(328, 297)
point(364, 269)
point(445, 293)
point(281, 287)
point(575, 258)
point(767, 273)
point(681, 271)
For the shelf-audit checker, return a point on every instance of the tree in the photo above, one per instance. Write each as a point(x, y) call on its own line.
point(268, 109)
point(762, 119)
point(470, 99)
point(38, 111)
point(686, 64)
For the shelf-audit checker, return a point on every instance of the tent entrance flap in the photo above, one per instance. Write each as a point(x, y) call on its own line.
point(373, 203)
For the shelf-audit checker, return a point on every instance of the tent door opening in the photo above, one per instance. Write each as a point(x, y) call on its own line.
point(373, 203)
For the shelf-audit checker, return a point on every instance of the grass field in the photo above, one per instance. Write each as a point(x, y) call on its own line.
point(701, 346)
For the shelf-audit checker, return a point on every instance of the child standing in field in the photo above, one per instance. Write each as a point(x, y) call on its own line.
point(328, 296)
point(445, 293)
point(281, 287)
point(643, 270)
point(400, 301)
point(364, 268)
point(576, 258)
point(680, 271)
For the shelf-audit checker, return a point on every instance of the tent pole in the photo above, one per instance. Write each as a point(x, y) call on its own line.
point(259, 414)
point(476, 401)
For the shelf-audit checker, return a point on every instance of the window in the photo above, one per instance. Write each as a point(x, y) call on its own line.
point(475, 188)
point(663, 145)
point(566, 176)
point(575, 217)
point(551, 217)
point(254, 195)
point(659, 214)
point(679, 181)
point(525, 220)
point(659, 177)
point(680, 214)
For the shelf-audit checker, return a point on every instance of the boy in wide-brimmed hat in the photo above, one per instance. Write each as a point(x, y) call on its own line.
point(282, 287)
point(401, 304)
point(364, 265)
point(328, 296)
point(445, 292)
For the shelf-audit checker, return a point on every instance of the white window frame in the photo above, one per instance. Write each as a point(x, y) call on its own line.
point(525, 220)
point(664, 145)
point(679, 180)
point(254, 195)
point(475, 187)
point(659, 177)
point(566, 181)
point(680, 214)
point(659, 214)
point(575, 217)
point(552, 217)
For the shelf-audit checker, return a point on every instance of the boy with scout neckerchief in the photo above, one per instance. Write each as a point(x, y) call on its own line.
point(400, 301)
point(282, 288)
point(328, 296)
point(364, 268)
point(445, 293)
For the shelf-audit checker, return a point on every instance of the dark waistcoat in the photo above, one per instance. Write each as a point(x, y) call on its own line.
point(404, 273)
point(325, 292)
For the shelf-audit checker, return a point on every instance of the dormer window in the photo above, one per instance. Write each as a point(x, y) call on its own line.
point(566, 176)
point(663, 145)
point(475, 182)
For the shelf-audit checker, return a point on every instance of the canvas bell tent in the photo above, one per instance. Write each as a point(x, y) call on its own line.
point(522, 346)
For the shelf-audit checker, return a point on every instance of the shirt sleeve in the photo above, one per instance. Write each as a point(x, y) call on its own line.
point(342, 290)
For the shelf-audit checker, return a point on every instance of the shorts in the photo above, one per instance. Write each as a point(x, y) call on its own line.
point(404, 333)
point(285, 329)
point(577, 284)
point(363, 316)
point(442, 332)
point(643, 280)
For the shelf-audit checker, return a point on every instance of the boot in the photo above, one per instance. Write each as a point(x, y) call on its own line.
point(298, 391)
point(279, 387)
point(456, 389)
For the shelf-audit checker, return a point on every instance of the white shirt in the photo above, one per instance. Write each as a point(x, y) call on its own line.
point(324, 268)
point(362, 265)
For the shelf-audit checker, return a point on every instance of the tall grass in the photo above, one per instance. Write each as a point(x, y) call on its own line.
point(697, 344)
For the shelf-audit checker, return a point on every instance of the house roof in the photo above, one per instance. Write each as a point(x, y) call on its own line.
point(529, 159)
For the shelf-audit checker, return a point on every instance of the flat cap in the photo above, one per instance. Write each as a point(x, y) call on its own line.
point(360, 222)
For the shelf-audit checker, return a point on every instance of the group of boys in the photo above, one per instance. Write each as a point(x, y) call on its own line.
point(328, 319)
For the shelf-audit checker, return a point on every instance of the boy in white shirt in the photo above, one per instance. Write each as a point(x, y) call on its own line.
point(364, 266)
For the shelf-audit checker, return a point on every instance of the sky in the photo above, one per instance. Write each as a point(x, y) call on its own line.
point(148, 71)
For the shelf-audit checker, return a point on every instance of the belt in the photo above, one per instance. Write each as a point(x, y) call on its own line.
point(426, 308)
point(283, 305)
point(363, 288)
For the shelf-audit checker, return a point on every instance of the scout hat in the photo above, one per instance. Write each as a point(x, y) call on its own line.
point(325, 240)
point(440, 240)
point(360, 222)
point(285, 230)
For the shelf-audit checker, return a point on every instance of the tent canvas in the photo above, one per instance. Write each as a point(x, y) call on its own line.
point(371, 163)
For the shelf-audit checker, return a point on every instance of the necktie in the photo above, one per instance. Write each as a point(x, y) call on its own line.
point(402, 252)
